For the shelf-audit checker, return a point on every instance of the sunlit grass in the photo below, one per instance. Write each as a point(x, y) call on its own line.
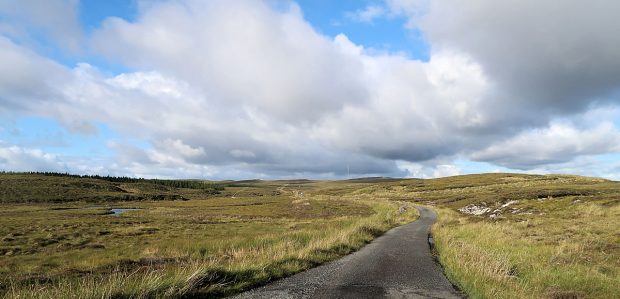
point(550, 236)
point(544, 236)
point(211, 247)
point(563, 247)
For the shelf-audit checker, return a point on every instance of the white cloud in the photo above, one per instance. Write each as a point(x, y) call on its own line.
point(553, 56)
point(417, 110)
point(24, 75)
point(414, 9)
point(368, 14)
point(556, 144)
point(419, 170)
point(178, 148)
point(23, 159)
point(56, 18)
point(237, 153)
point(239, 89)
point(243, 53)
point(605, 166)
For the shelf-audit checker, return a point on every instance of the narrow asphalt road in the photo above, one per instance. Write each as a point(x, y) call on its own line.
point(398, 264)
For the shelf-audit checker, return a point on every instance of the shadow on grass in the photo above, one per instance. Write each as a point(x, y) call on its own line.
point(219, 282)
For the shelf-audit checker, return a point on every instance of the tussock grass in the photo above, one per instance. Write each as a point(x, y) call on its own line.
point(541, 236)
point(566, 253)
point(537, 236)
point(229, 264)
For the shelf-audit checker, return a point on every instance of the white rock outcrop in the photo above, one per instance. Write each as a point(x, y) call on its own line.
point(474, 210)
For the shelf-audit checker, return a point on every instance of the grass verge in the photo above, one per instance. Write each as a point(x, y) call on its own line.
point(570, 253)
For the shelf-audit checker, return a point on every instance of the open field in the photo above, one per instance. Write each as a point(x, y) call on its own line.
point(544, 239)
point(498, 235)
point(59, 239)
point(520, 236)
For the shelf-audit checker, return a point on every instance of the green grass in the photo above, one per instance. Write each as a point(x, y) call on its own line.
point(211, 245)
point(58, 188)
point(568, 254)
point(558, 237)
point(553, 236)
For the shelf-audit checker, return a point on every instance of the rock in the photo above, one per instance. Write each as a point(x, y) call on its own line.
point(474, 210)
point(509, 203)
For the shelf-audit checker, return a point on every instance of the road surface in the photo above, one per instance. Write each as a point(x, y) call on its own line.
point(398, 264)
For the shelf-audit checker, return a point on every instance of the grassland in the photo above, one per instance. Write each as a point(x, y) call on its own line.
point(498, 235)
point(59, 240)
point(549, 237)
point(522, 236)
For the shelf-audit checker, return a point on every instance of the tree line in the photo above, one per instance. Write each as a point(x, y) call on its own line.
point(190, 184)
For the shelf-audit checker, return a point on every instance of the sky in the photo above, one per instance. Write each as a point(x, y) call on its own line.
point(319, 89)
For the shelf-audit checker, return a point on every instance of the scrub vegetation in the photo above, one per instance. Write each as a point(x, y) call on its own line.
point(523, 236)
point(541, 237)
point(58, 238)
point(498, 235)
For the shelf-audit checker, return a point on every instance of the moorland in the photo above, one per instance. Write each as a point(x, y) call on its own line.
point(497, 235)
point(59, 236)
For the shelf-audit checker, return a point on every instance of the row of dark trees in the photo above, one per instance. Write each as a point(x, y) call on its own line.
point(190, 184)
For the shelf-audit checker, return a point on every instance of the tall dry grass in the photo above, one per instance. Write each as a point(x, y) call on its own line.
point(236, 266)
point(549, 256)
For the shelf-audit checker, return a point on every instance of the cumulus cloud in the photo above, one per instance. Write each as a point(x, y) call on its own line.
point(57, 19)
point(558, 56)
point(605, 166)
point(368, 14)
point(243, 53)
point(24, 76)
point(555, 144)
point(265, 113)
point(428, 170)
point(239, 89)
point(24, 159)
point(186, 129)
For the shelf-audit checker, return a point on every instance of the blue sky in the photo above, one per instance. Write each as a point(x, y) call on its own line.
point(328, 17)
point(383, 34)
point(390, 87)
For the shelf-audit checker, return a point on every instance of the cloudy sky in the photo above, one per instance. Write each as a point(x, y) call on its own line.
point(316, 89)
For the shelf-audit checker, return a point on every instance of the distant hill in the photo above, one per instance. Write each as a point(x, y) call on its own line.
point(374, 180)
point(54, 187)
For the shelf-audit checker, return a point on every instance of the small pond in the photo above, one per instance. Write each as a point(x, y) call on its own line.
point(116, 212)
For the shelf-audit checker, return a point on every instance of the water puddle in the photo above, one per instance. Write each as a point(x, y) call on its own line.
point(108, 210)
point(117, 212)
